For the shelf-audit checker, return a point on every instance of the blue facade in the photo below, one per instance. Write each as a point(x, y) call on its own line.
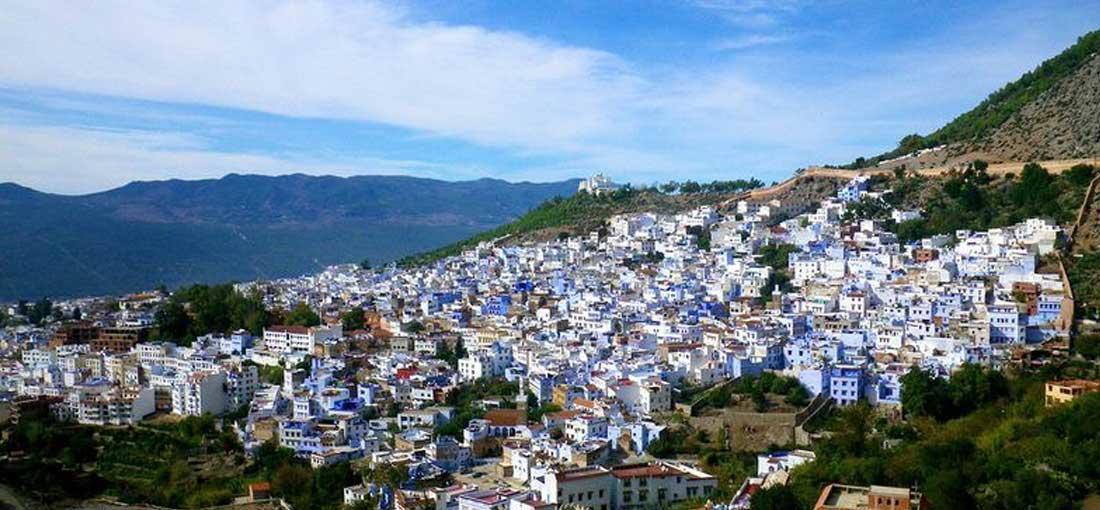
point(497, 305)
point(845, 385)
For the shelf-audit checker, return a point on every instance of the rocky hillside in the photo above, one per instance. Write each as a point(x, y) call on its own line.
point(1062, 123)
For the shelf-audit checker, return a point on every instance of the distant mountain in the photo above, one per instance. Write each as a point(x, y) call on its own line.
point(1051, 112)
point(239, 227)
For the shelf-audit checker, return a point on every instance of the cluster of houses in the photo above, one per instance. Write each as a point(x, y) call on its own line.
point(596, 331)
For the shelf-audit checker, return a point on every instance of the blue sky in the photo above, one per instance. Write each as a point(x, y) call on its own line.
point(97, 94)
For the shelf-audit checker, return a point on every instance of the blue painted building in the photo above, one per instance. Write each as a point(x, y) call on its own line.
point(846, 384)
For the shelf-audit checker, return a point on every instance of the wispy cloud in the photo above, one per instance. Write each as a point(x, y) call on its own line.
point(746, 41)
point(753, 14)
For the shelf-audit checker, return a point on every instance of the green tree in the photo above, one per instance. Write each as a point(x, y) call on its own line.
point(354, 319)
point(776, 497)
point(924, 394)
point(172, 320)
point(303, 315)
point(1080, 175)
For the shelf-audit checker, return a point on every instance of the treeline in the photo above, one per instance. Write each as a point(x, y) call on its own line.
point(690, 187)
point(35, 313)
point(999, 106)
point(926, 395)
point(189, 464)
point(201, 309)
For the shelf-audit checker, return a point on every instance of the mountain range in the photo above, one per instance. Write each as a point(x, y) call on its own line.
point(238, 227)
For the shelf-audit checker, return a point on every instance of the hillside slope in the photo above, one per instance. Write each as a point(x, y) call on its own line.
point(1062, 123)
point(237, 228)
point(1050, 112)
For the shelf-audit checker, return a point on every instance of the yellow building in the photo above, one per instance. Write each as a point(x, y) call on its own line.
point(1061, 392)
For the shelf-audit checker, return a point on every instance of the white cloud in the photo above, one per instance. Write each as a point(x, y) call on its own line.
point(344, 60)
point(572, 109)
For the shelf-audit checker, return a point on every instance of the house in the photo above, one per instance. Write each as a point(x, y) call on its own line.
point(1065, 391)
point(659, 484)
point(875, 497)
point(768, 463)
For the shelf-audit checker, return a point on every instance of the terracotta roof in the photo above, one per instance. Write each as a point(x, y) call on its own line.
point(505, 417)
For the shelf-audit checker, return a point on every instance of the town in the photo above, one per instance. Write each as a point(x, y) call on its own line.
point(554, 374)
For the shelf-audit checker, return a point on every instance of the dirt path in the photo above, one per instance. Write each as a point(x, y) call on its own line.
point(1056, 166)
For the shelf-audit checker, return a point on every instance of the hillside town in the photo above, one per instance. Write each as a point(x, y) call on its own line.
point(539, 375)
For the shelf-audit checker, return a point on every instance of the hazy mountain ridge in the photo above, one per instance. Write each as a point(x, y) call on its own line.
point(238, 227)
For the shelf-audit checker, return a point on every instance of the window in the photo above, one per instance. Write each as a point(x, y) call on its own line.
point(601, 493)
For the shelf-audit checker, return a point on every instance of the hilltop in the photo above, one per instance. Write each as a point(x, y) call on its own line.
point(239, 227)
point(1049, 113)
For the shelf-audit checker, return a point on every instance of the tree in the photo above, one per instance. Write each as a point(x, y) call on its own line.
point(924, 394)
point(365, 265)
point(759, 399)
point(172, 320)
point(37, 313)
point(1080, 175)
point(973, 386)
point(291, 480)
point(354, 319)
point(303, 315)
point(776, 497)
point(1087, 346)
point(77, 314)
point(911, 143)
point(797, 396)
